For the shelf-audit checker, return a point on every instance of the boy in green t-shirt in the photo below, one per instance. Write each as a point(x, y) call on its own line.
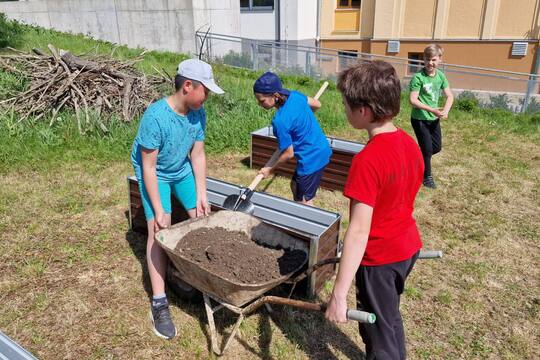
point(425, 87)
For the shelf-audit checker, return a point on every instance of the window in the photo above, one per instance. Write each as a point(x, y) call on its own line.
point(415, 65)
point(256, 5)
point(348, 4)
point(347, 58)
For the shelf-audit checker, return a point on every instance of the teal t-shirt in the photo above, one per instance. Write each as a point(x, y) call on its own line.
point(173, 135)
point(429, 91)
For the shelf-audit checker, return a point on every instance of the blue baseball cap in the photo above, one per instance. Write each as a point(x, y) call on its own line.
point(269, 83)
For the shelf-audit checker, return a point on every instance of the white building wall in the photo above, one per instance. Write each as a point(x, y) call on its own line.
point(152, 24)
point(258, 25)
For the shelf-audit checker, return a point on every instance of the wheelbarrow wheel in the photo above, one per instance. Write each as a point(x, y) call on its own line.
point(180, 288)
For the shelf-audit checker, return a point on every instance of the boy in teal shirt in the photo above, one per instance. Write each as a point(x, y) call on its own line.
point(425, 87)
point(168, 157)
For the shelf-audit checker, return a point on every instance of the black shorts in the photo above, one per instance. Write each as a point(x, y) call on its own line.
point(305, 186)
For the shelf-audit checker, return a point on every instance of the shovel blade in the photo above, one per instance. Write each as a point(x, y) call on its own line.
point(233, 202)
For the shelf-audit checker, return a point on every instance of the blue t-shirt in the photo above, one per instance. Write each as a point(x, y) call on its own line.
point(295, 124)
point(173, 135)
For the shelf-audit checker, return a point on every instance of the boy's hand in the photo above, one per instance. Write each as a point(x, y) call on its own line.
point(159, 221)
point(444, 114)
point(265, 172)
point(438, 113)
point(203, 207)
point(336, 310)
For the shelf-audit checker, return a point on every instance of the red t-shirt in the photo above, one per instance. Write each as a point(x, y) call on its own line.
point(387, 175)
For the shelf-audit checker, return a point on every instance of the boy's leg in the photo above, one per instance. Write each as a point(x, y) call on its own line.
point(186, 192)
point(436, 136)
point(157, 261)
point(305, 187)
point(423, 135)
point(378, 291)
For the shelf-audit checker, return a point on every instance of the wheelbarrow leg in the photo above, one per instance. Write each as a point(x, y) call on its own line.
point(211, 324)
point(233, 332)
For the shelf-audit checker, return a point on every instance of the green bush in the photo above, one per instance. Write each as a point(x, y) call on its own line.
point(238, 59)
point(499, 102)
point(10, 31)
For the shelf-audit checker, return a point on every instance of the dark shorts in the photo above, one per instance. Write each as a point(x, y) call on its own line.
point(305, 186)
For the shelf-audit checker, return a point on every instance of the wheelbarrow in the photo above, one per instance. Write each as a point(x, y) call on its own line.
point(240, 298)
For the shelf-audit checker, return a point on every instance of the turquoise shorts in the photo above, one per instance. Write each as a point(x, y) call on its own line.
point(184, 190)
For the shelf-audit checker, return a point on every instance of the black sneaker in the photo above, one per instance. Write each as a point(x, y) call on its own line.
point(428, 182)
point(161, 319)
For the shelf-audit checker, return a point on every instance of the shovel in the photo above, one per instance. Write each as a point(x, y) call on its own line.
point(241, 202)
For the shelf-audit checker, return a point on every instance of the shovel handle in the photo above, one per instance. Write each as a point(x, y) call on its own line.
point(269, 163)
point(321, 90)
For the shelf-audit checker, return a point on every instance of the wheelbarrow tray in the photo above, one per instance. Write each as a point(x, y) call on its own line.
point(231, 290)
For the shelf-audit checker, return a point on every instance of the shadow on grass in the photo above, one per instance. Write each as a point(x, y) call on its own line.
point(191, 305)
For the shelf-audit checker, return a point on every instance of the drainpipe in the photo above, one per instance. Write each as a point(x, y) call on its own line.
point(278, 20)
point(533, 79)
point(318, 30)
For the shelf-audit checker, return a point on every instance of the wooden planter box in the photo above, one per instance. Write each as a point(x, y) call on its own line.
point(320, 228)
point(263, 145)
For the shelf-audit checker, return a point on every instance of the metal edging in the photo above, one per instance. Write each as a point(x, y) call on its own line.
point(10, 350)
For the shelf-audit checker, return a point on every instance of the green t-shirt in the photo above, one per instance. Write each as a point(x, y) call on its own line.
point(429, 91)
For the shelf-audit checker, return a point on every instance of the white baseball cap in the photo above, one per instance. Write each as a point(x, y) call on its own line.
point(198, 70)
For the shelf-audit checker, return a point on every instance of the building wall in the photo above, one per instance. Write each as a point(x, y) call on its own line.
point(465, 24)
point(159, 24)
point(474, 32)
point(258, 25)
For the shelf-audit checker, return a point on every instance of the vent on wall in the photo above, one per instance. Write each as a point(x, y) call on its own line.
point(519, 48)
point(393, 46)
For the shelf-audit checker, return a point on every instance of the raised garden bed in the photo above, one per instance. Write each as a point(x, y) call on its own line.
point(318, 227)
point(263, 145)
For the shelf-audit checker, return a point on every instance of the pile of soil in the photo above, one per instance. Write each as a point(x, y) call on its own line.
point(234, 256)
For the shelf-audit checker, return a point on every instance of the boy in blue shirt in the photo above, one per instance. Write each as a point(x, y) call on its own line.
point(298, 135)
point(168, 157)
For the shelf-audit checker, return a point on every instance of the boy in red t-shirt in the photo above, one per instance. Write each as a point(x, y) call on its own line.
point(382, 241)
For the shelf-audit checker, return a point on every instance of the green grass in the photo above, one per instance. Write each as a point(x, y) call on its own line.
point(231, 117)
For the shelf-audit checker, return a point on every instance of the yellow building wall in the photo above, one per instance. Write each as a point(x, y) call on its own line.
point(419, 19)
point(516, 19)
point(367, 15)
point(465, 19)
point(347, 20)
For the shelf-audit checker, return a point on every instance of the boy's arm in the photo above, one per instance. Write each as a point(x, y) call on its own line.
point(448, 104)
point(198, 162)
point(285, 156)
point(413, 99)
point(149, 160)
point(354, 246)
point(314, 104)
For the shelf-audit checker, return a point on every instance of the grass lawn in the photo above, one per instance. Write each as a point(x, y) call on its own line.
point(72, 275)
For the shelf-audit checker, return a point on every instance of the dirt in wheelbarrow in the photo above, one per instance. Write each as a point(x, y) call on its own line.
point(234, 256)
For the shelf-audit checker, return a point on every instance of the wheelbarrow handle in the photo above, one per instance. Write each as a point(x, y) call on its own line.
point(430, 254)
point(361, 316)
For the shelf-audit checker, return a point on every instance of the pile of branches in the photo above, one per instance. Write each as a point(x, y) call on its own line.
point(100, 85)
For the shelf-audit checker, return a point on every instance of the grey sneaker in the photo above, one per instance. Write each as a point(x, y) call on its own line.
point(429, 182)
point(161, 319)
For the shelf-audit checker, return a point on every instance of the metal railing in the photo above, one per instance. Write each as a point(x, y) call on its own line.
point(512, 90)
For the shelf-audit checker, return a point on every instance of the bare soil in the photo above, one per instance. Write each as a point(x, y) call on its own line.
point(234, 256)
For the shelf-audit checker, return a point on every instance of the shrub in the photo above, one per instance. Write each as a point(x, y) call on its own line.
point(10, 31)
point(499, 102)
point(238, 59)
point(533, 106)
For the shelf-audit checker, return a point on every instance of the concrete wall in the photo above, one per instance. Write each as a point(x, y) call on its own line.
point(151, 24)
